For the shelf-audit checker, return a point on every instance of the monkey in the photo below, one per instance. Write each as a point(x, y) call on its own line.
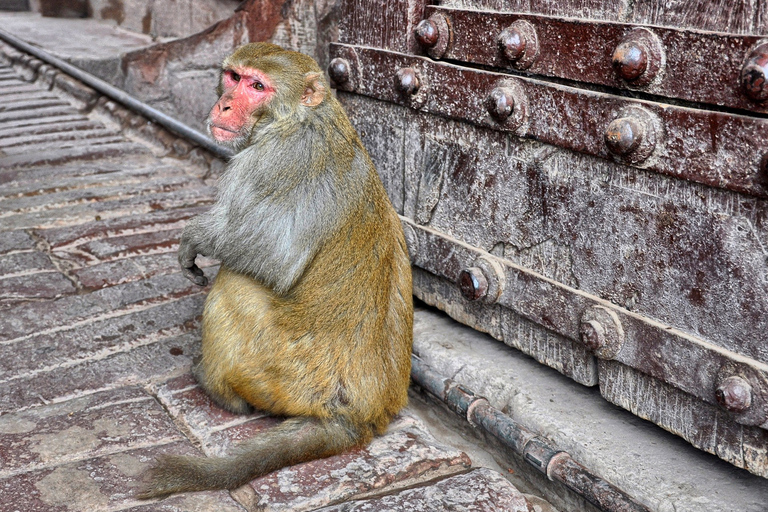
point(311, 313)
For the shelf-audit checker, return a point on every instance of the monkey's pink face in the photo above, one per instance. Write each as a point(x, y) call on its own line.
point(245, 91)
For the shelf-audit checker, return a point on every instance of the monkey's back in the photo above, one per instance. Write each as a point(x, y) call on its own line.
point(338, 343)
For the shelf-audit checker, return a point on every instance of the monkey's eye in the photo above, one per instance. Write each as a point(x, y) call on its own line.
point(234, 76)
point(258, 86)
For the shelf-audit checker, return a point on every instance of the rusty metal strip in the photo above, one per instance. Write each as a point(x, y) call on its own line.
point(718, 149)
point(698, 66)
point(689, 363)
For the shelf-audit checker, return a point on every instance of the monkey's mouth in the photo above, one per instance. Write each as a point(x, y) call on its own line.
point(222, 134)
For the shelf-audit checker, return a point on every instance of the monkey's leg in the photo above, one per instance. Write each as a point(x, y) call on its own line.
point(224, 396)
point(293, 441)
point(236, 310)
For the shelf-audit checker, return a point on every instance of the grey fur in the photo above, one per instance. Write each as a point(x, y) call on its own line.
point(274, 210)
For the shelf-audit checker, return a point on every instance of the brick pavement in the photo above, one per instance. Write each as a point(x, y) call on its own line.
point(98, 329)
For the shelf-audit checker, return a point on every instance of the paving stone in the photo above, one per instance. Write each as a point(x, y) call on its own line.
point(161, 220)
point(46, 351)
point(63, 179)
point(480, 490)
point(83, 134)
point(77, 212)
point(161, 356)
point(88, 189)
point(97, 424)
point(21, 115)
point(13, 136)
point(405, 455)
point(25, 262)
point(31, 319)
point(43, 145)
point(191, 407)
point(105, 483)
point(15, 241)
point(137, 268)
point(12, 127)
point(56, 156)
point(44, 285)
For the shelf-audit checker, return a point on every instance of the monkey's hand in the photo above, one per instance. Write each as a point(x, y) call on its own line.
point(187, 255)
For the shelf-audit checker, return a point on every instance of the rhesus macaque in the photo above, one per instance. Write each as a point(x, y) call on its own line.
point(311, 313)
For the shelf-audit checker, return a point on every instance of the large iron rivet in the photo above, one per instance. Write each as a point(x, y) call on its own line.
point(500, 103)
point(519, 43)
point(473, 283)
point(734, 394)
point(512, 43)
point(624, 135)
point(639, 57)
point(407, 81)
point(630, 59)
point(754, 74)
point(592, 334)
point(339, 70)
point(427, 33)
point(434, 35)
point(601, 331)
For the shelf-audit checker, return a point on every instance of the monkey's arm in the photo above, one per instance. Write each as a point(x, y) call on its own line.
point(192, 243)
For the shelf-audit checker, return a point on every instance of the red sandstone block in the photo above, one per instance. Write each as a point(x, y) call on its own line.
point(80, 210)
point(159, 359)
point(105, 483)
point(24, 262)
point(407, 454)
point(79, 234)
point(15, 241)
point(56, 156)
point(81, 428)
point(135, 269)
point(47, 285)
point(190, 406)
point(25, 320)
point(88, 340)
point(481, 490)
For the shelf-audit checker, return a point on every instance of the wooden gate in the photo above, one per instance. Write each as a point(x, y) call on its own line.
point(586, 181)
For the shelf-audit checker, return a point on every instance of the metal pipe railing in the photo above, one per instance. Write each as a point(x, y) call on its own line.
point(120, 96)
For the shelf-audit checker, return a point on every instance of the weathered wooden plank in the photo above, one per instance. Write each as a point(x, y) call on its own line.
point(589, 9)
point(704, 426)
point(717, 15)
point(370, 24)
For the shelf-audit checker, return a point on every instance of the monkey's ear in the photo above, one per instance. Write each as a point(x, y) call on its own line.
point(314, 90)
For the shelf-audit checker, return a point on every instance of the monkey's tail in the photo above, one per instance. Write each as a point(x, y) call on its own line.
point(293, 441)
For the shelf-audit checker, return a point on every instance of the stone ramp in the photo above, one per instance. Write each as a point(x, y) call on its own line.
point(98, 329)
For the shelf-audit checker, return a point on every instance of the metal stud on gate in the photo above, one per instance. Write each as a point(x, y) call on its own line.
point(754, 74)
point(407, 81)
point(519, 44)
point(743, 392)
point(483, 280)
point(434, 35)
point(639, 57)
point(601, 332)
point(507, 104)
point(632, 136)
point(339, 70)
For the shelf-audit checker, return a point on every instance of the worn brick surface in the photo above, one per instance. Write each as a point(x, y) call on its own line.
point(104, 483)
point(481, 490)
point(102, 423)
point(405, 455)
